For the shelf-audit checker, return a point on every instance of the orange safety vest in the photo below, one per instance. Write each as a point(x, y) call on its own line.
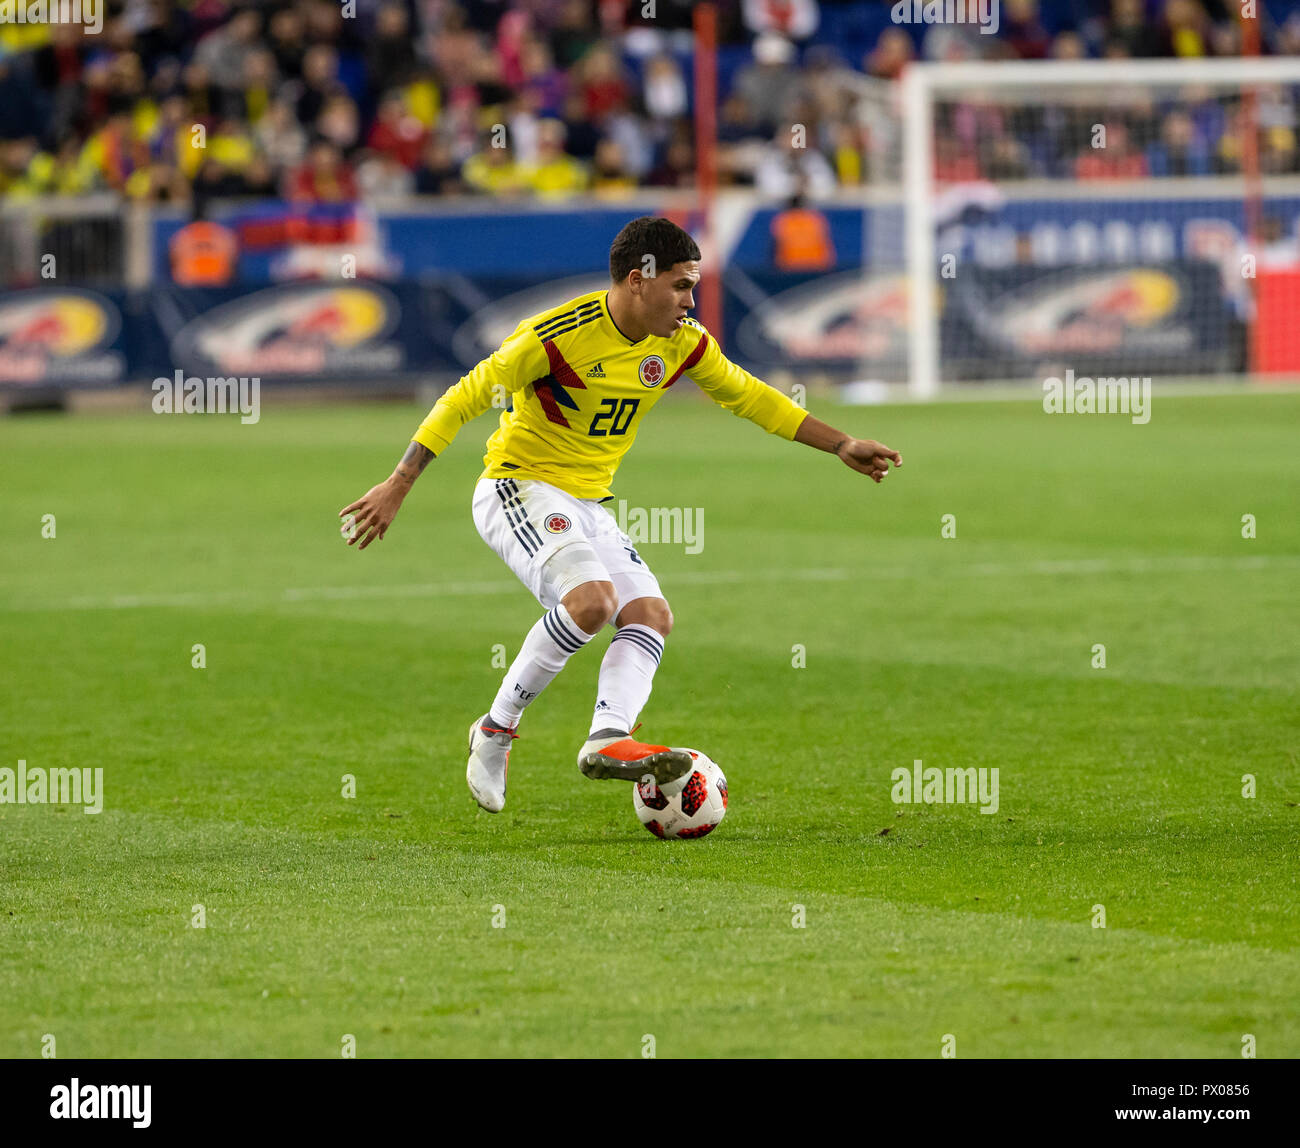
point(203, 254)
point(803, 240)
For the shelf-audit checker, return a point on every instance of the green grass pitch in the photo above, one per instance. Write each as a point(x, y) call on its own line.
point(374, 916)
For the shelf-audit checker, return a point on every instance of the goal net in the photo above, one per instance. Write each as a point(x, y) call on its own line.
point(1119, 218)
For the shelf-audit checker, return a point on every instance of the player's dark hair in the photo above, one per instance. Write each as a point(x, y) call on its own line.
point(649, 235)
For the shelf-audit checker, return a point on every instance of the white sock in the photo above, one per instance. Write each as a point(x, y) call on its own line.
point(554, 637)
point(627, 675)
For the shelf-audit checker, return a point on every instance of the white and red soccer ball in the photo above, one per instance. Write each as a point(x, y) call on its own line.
point(692, 806)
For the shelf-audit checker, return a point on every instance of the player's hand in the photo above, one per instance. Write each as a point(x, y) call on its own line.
point(368, 519)
point(869, 457)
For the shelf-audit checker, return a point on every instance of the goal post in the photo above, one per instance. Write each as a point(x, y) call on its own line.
point(1000, 194)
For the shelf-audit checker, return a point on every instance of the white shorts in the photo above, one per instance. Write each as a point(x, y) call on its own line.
point(555, 542)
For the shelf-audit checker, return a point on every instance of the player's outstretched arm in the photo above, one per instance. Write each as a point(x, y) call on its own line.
point(377, 508)
point(864, 455)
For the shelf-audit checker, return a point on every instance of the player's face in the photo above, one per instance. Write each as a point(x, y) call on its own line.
point(668, 297)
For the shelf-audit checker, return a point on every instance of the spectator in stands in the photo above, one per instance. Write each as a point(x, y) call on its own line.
point(582, 137)
point(397, 133)
point(1179, 151)
point(217, 181)
point(259, 178)
point(159, 183)
point(1227, 157)
point(169, 134)
point(736, 122)
point(48, 173)
point(1278, 151)
point(205, 100)
point(488, 87)
point(512, 31)
point(542, 80)
point(1225, 39)
point(953, 43)
point(664, 88)
point(793, 19)
point(259, 87)
point(1022, 29)
point(320, 70)
point(832, 86)
point(231, 145)
point(555, 174)
point(225, 51)
point(112, 154)
point(1288, 36)
point(677, 167)
point(1005, 158)
point(786, 169)
point(493, 171)
point(574, 34)
point(324, 177)
point(15, 156)
point(382, 175)
point(953, 161)
point(287, 44)
point(424, 97)
point(771, 84)
point(340, 122)
point(851, 152)
point(1275, 107)
point(454, 50)
point(1114, 160)
point(1186, 29)
point(390, 50)
point(601, 85)
point(609, 177)
point(438, 173)
point(279, 136)
point(25, 171)
point(523, 126)
point(1069, 45)
point(57, 68)
point(262, 75)
point(126, 81)
point(1128, 33)
point(892, 53)
point(325, 25)
point(163, 31)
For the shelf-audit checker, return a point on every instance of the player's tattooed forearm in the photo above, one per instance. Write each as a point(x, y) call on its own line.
point(413, 462)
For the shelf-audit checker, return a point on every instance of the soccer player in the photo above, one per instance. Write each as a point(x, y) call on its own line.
point(581, 377)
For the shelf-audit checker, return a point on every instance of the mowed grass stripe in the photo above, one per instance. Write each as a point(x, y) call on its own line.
point(1133, 564)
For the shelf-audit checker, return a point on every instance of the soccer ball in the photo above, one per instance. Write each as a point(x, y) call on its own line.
point(692, 806)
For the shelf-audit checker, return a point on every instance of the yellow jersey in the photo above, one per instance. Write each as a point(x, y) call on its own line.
point(578, 389)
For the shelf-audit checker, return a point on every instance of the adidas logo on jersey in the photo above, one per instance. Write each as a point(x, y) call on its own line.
point(597, 372)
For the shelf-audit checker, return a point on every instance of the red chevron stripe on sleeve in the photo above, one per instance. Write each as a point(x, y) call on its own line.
point(694, 357)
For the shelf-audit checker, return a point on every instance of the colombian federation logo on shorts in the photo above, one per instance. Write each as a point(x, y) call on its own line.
point(557, 524)
point(652, 371)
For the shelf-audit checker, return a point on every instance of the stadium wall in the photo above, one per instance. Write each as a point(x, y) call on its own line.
point(1134, 276)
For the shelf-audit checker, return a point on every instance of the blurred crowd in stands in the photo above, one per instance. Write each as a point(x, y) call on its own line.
point(338, 100)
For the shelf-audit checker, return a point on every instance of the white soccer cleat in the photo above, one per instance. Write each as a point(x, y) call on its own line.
point(489, 763)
